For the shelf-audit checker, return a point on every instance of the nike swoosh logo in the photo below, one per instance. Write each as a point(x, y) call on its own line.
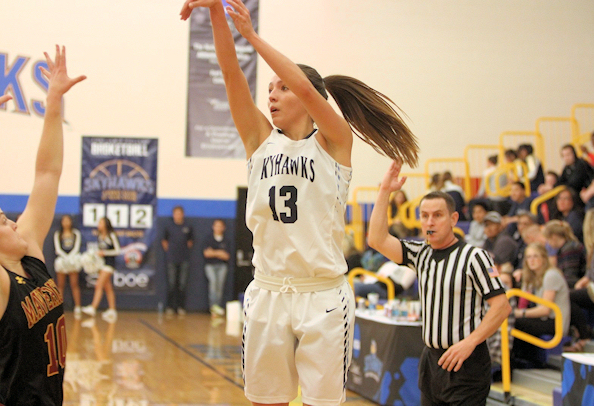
point(328, 311)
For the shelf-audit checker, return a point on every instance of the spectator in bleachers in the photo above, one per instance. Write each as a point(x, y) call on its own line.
point(519, 202)
point(512, 157)
point(456, 192)
point(571, 256)
point(476, 232)
point(589, 154)
point(547, 282)
point(545, 209)
point(436, 183)
point(531, 234)
point(577, 174)
point(582, 297)
point(496, 202)
point(567, 209)
point(397, 228)
point(501, 246)
point(551, 179)
point(491, 167)
point(525, 219)
point(535, 172)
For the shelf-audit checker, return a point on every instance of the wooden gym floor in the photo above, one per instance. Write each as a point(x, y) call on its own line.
point(145, 359)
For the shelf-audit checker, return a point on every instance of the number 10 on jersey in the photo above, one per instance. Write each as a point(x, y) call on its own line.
point(120, 215)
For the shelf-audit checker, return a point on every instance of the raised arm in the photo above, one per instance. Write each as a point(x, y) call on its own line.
point(251, 123)
point(35, 222)
point(335, 130)
point(379, 238)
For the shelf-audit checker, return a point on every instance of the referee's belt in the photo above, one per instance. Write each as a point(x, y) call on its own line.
point(296, 285)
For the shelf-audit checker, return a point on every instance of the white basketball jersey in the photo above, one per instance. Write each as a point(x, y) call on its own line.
point(296, 201)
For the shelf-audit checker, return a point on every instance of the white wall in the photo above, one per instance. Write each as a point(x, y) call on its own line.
point(463, 71)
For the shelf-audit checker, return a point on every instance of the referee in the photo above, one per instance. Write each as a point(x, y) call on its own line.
point(456, 281)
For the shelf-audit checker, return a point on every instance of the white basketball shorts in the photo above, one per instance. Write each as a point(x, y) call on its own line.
point(297, 338)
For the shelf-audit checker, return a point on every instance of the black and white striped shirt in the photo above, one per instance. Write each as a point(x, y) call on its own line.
point(454, 284)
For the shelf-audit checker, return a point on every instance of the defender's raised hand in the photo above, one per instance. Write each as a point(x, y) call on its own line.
point(5, 98)
point(59, 81)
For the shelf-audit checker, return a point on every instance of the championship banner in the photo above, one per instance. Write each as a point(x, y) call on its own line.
point(211, 132)
point(119, 181)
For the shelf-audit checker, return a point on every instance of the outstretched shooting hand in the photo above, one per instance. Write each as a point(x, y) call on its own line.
point(241, 17)
point(190, 5)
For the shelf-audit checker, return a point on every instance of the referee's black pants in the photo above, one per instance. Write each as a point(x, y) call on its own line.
point(469, 386)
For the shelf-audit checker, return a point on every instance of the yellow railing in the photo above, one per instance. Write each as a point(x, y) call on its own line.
point(408, 213)
point(477, 161)
point(554, 132)
point(415, 185)
point(505, 362)
point(466, 172)
point(544, 197)
point(583, 118)
point(501, 172)
point(384, 279)
point(529, 137)
point(361, 205)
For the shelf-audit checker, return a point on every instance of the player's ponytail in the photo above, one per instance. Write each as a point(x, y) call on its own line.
point(373, 119)
point(370, 115)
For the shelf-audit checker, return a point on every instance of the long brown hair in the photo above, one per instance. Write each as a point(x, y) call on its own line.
point(373, 116)
point(529, 278)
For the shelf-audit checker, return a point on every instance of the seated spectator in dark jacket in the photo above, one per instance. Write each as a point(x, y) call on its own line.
point(571, 255)
point(577, 173)
point(525, 219)
point(535, 172)
point(567, 209)
point(582, 297)
point(519, 202)
point(501, 246)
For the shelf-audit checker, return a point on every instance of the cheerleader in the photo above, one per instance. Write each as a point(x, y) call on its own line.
point(67, 245)
point(109, 248)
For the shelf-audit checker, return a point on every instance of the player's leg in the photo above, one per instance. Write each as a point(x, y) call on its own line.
point(324, 323)
point(268, 347)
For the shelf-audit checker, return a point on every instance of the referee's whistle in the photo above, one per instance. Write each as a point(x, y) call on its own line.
point(429, 232)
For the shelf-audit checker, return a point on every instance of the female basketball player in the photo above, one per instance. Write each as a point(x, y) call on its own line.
point(67, 242)
point(32, 330)
point(109, 249)
point(299, 310)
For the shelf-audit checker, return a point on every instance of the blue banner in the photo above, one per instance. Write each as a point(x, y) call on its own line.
point(119, 181)
point(211, 132)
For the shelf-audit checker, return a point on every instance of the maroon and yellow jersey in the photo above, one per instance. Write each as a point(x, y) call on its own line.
point(32, 339)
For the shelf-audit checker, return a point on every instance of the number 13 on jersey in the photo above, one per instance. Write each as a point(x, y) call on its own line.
point(287, 200)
